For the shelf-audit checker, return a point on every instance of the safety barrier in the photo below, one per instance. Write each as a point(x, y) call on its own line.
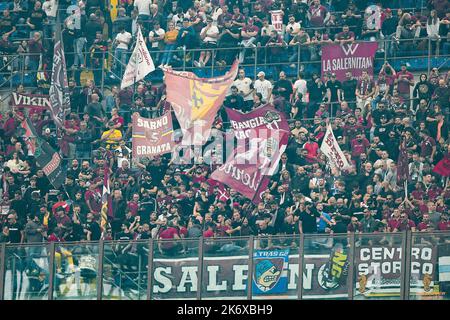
point(339, 266)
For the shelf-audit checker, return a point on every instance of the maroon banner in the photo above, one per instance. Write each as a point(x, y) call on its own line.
point(152, 137)
point(354, 57)
point(262, 137)
point(32, 101)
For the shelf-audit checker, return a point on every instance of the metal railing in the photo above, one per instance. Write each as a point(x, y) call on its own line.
point(339, 266)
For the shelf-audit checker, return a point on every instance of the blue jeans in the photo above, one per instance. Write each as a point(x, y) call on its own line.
point(446, 48)
point(79, 44)
point(167, 55)
point(120, 60)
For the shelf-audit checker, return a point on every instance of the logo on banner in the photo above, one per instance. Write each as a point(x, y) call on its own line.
point(272, 118)
point(332, 274)
point(350, 48)
point(354, 58)
point(270, 271)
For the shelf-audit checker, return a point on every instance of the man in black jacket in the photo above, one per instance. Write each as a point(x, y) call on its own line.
point(83, 142)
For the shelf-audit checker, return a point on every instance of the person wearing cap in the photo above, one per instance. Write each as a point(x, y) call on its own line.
point(264, 87)
point(334, 93)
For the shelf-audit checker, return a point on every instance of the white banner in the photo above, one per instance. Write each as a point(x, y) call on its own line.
point(140, 64)
point(277, 20)
point(331, 149)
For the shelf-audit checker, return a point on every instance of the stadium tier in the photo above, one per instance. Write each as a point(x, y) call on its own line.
point(218, 149)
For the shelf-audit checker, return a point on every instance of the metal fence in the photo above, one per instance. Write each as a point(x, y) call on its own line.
point(347, 266)
point(15, 69)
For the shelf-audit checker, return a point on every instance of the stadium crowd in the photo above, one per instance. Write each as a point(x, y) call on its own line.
point(156, 198)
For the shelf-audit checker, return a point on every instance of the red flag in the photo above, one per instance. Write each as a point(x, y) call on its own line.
point(443, 167)
point(29, 136)
point(262, 137)
point(152, 137)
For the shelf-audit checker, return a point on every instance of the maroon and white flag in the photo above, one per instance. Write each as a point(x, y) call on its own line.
point(140, 64)
point(331, 149)
point(262, 137)
point(59, 87)
point(277, 20)
point(354, 57)
point(152, 137)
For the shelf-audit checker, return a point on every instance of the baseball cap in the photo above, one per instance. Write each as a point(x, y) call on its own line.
point(388, 10)
point(261, 73)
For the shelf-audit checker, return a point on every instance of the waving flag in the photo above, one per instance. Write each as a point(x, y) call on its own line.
point(443, 167)
point(262, 137)
point(59, 87)
point(196, 101)
point(106, 200)
point(331, 149)
point(140, 64)
point(50, 162)
point(29, 134)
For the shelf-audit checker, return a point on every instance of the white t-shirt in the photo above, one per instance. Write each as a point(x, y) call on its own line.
point(156, 33)
point(265, 31)
point(50, 8)
point(126, 37)
point(143, 6)
point(295, 28)
point(176, 18)
point(263, 87)
point(212, 31)
point(301, 86)
point(244, 86)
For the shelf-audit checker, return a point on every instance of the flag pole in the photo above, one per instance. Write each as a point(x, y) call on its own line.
point(136, 67)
